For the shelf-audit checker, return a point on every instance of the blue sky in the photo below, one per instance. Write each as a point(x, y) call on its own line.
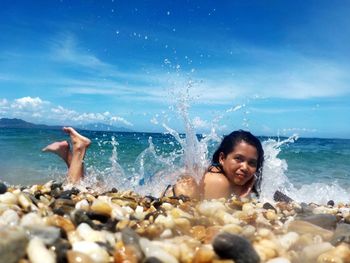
point(273, 67)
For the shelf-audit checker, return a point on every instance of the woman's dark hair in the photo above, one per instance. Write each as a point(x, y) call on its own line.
point(229, 143)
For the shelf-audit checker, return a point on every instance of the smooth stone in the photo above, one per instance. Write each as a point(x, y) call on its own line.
point(38, 253)
point(230, 246)
point(339, 254)
point(269, 206)
point(8, 198)
point(32, 219)
point(97, 254)
point(68, 193)
point(281, 197)
point(151, 250)
point(13, 245)
point(152, 260)
point(78, 257)
point(303, 227)
point(48, 234)
point(3, 188)
point(341, 234)
point(125, 254)
point(80, 216)
point(311, 252)
point(9, 218)
point(60, 247)
point(278, 260)
point(326, 221)
point(130, 237)
point(330, 203)
point(203, 255)
point(89, 234)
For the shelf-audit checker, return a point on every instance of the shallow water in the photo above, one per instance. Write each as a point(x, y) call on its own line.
point(142, 160)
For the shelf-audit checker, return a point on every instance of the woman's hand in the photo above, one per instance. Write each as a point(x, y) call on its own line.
point(247, 188)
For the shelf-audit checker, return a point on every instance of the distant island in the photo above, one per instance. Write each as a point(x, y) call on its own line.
point(21, 124)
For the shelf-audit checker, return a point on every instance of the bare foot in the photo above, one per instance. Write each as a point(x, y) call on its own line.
point(79, 142)
point(59, 148)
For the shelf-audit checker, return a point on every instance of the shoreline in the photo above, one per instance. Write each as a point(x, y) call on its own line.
point(46, 222)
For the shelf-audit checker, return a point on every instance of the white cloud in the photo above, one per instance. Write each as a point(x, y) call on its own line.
point(3, 102)
point(28, 103)
point(36, 109)
point(64, 114)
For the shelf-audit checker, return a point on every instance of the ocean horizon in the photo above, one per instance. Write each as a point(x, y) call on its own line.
point(133, 160)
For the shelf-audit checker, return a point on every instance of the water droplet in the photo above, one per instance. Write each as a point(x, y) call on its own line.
point(146, 37)
point(168, 13)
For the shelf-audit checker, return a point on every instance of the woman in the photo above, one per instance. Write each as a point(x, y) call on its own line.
point(236, 166)
point(236, 169)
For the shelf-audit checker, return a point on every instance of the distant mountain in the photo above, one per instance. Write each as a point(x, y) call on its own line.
point(103, 127)
point(18, 123)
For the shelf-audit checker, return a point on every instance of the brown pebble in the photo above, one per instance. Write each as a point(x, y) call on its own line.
point(78, 257)
point(203, 255)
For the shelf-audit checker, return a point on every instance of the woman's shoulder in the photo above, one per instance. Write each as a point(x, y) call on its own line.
point(215, 185)
point(212, 176)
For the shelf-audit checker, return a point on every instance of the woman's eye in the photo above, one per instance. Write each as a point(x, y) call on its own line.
point(253, 163)
point(238, 158)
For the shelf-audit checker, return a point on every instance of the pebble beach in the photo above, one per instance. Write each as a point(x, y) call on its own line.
point(50, 223)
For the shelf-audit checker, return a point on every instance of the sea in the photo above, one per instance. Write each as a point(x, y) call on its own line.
point(306, 169)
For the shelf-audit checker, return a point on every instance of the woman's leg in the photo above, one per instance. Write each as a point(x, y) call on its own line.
point(75, 158)
point(79, 145)
point(186, 185)
point(61, 149)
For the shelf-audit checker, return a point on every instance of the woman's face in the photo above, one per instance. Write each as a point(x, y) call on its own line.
point(240, 165)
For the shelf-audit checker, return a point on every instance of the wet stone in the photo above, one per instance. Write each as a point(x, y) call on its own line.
point(330, 203)
point(305, 209)
point(269, 206)
point(341, 234)
point(60, 247)
point(97, 216)
point(152, 260)
point(13, 245)
point(68, 193)
point(130, 237)
point(78, 257)
point(48, 234)
point(80, 216)
point(281, 197)
point(230, 246)
point(326, 221)
point(3, 188)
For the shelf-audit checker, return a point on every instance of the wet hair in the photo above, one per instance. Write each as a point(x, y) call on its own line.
point(228, 144)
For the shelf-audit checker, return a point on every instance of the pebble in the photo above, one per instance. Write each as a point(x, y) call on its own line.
point(38, 253)
point(281, 197)
point(341, 234)
point(303, 227)
point(13, 243)
point(230, 246)
point(3, 188)
point(326, 221)
point(85, 226)
point(78, 257)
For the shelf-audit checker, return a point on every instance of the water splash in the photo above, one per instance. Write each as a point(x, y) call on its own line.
point(274, 169)
point(275, 178)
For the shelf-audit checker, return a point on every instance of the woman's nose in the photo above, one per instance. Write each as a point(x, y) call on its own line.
point(244, 166)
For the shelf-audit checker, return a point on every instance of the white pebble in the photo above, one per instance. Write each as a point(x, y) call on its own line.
point(38, 253)
point(94, 251)
point(151, 250)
